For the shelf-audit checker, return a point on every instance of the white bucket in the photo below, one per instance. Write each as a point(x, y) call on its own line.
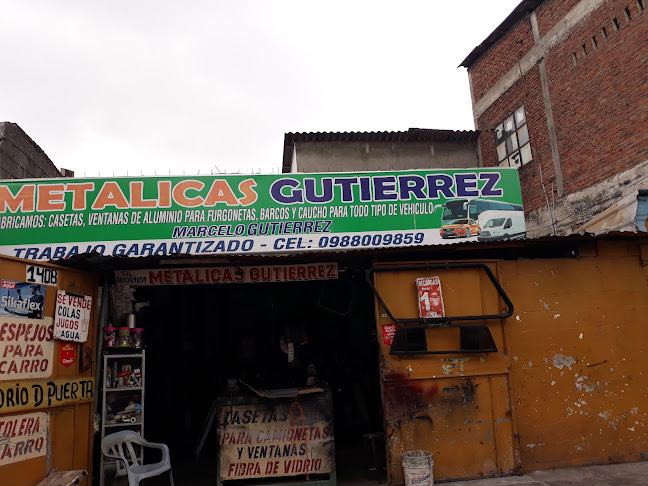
point(417, 467)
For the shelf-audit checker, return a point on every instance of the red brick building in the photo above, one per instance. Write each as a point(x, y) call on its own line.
point(560, 90)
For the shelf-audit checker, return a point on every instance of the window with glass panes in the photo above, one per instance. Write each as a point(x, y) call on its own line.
point(512, 140)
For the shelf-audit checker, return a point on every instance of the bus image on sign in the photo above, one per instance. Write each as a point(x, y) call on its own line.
point(472, 208)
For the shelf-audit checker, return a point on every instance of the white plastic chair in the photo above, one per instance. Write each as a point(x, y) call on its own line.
point(119, 446)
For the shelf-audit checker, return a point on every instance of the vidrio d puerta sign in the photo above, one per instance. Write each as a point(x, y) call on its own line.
point(49, 219)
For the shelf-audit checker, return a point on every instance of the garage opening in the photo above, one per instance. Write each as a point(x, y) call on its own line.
point(206, 344)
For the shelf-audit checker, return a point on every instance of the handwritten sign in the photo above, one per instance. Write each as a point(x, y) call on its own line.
point(276, 438)
point(27, 395)
point(430, 298)
point(26, 348)
point(23, 437)
point(72, 316)
point(41, 275)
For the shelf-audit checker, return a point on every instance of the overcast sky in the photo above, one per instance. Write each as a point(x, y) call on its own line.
point(207, 86)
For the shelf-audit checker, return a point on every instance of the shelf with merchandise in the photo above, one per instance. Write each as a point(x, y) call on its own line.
point(123, 390)
point(123, 372)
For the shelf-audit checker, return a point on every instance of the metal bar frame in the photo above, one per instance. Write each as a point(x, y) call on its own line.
point(440, 321)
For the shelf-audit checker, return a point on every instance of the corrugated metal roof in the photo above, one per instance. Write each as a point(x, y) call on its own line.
point(518, 13)
point(619, 217)
point(413, 135)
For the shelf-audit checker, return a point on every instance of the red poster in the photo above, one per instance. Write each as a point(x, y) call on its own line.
point(68, 353)
point(430, 298)
point(388, 331)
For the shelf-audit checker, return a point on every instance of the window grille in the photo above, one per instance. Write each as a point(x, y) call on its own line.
point(512, 140)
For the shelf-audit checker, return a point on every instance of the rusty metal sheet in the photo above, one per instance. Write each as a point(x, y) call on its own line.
point(276, 437)
point(465, 292)
point(455, 406)
point(452, 417)
point(577, 345)
point(507, 454)
point(571, 359)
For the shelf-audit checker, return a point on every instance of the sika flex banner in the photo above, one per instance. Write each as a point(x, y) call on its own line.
point(43, 219)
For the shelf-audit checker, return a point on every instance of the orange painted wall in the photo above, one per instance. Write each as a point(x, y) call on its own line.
point(71, 427)
point(577, 356)
point(566, 387)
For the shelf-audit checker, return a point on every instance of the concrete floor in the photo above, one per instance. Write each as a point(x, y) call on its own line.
point(632, 474)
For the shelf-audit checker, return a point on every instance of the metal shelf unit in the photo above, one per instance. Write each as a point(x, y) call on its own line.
point(120, 357)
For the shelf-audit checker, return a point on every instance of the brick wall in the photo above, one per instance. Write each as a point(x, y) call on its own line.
point(527, 91)
point(550, 13)
point(500, 58)
point(599, 105)
point(21, 157)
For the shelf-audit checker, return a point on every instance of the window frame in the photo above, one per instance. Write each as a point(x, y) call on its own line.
point(510, 152)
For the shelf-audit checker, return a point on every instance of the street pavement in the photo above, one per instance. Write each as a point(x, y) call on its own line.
point(631, 474)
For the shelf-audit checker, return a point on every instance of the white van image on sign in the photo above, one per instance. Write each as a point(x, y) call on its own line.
point(501, 225)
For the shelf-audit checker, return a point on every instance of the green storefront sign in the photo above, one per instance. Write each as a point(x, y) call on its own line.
point(45, 219)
